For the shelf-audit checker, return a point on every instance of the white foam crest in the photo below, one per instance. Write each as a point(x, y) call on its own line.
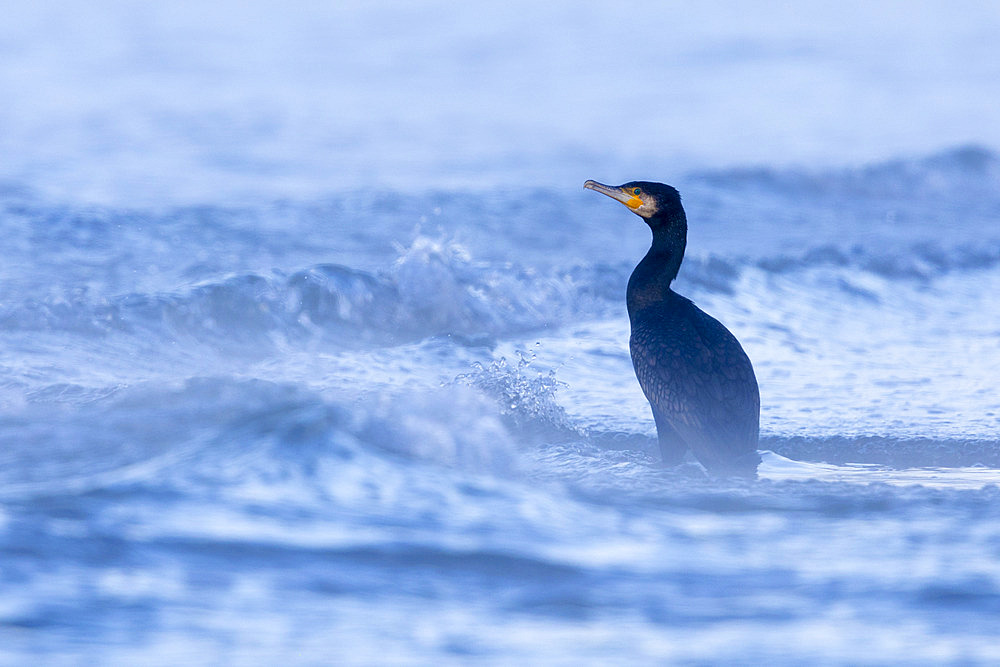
point(778, 468)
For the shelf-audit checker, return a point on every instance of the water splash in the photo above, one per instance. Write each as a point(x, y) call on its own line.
point(526, 400)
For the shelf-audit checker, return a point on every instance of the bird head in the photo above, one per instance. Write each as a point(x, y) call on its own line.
point(652, 201)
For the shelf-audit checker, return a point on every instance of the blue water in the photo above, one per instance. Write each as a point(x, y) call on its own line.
point(314, 349)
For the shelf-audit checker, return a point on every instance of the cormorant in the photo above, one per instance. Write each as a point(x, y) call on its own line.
point(693, 371)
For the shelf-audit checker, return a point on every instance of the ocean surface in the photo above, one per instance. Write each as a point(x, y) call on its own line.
point(313, 350)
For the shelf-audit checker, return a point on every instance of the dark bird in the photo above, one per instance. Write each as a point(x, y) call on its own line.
point(695, 374)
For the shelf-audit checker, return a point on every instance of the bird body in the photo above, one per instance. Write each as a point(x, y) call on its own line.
point(699, 382)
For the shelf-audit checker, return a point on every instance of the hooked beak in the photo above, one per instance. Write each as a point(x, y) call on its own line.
point(626, 198)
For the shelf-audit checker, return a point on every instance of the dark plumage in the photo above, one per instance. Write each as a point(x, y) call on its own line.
point(699, 381)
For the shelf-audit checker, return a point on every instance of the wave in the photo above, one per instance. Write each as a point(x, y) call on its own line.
point(254, 440)
point(921, 261)
point(972, 170)
point(433, 290)
point(69, 264)
point(206, 432)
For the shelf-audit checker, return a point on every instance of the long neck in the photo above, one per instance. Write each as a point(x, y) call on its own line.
point(650, 281)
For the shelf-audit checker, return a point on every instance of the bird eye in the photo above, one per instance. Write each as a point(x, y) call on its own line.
point(636, 191)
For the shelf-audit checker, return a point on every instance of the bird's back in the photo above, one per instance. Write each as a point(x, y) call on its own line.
point(698, 380)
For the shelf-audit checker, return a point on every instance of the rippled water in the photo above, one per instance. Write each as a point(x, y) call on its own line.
point(267, 395)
